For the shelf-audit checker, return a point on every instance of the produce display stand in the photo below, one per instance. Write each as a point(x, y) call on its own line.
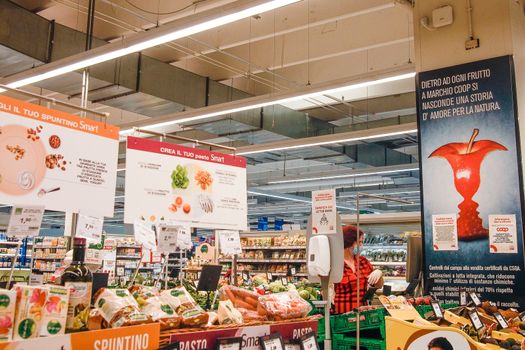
point(143, 337)
point(405, 335)
point(206, 338)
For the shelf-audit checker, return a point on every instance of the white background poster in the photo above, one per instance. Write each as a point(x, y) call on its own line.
point(186, 185)
point(52, 158)
point(324, 212)
point(445, 232)
point(25, 221)
point(502, 234)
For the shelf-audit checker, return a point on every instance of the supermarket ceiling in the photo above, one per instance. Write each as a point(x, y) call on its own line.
point(332, 43)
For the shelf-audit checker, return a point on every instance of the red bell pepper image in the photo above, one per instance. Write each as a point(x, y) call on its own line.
point(465, 160)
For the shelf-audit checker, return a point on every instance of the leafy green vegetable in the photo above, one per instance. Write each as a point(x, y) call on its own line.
point(179, 177)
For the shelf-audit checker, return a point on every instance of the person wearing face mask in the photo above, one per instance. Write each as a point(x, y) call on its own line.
point(346, 298)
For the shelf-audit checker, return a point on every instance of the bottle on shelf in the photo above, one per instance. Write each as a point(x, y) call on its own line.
point(78, 278)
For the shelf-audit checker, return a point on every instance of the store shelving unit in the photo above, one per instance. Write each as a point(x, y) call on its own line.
point(48, 254)
point(177, 260)
point(271, 251)
point(8, 250)
point(128, 257)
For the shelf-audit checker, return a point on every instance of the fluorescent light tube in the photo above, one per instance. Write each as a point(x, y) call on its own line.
point(271, 102)
point(330, 177)
point(148, 42)
point(331, 142)
point(292, 199)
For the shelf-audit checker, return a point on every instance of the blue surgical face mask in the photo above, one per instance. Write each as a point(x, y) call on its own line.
point(355, 250)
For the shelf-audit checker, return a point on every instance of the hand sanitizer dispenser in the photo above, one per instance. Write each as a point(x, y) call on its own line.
point(319, 256)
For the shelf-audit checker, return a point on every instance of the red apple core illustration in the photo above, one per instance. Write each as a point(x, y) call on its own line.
point(465, 160)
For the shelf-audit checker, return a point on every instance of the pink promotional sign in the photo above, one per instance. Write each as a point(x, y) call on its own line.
point(249, 335)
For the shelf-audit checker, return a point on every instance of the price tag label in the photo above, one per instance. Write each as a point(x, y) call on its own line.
point(93, 256)
point(144, 234)
point(475, 299)
point(120, 271)
point(437, 310)
point(272, 342)
point(269, 276)
point(172, 346)
point(522, 316)
point(292, 271)
point(463, 297)
point(184, 237)
point(501, 320)
point(167, 238)
point(25, 221)
point(476, 321)
point(90, 228)
point(246, 276)
point(291, 346)
point(229, 343)
point(309, 342)
point(284, 281)
point(230, 242)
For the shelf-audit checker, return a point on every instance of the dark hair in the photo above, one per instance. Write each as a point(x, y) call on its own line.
point(350, 235)
point(440, 342)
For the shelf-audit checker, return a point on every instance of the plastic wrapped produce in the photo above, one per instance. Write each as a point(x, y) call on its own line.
point(119, 308)
point(251, 315)
point(284, 306)
point(228, 314)
point(30, 304)
point(240, 298)
point(154, 306)
point(182, 302)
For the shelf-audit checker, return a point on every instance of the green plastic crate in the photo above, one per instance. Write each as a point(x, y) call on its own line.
point(424, 309)
point(346, 323)
point(320, 330)
point(340, 342)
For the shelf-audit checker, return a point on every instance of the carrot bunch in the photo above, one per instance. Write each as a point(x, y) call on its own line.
point(241, 298)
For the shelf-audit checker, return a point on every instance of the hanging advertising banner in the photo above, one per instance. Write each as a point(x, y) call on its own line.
point(471, 182)
point(324, 212)
point(56, 159)
point(186, 185)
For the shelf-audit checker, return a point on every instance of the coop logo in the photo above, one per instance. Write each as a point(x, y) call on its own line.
point(502, 229)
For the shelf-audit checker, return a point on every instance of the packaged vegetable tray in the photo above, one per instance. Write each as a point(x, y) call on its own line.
point(119, 308)
point(150, 303)
point(182, 302)
point(240, 298)
point(283, 306)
